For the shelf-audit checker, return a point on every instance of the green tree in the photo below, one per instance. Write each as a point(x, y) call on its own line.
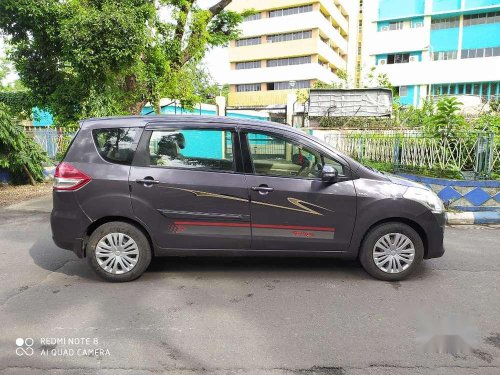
point(19, 153)
point(104, 57)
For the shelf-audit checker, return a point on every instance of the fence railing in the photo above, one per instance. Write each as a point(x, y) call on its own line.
point(52, 140)
point(475, 152)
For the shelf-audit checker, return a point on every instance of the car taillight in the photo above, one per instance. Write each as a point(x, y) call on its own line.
point(68, 177)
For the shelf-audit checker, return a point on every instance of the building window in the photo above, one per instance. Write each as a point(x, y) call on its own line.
point(248, 42)
point(480, 52)
point(289, 61)
point(444, 55)
point(248, 87)
point(403, 91)
point(479, 19)
point(487, 90)
point(445, 23)
point(396, 25)
point(290, 11)
point(253, 17)
point(248, 65)
point(287, 86)
point(398, 58)
point(290, 36)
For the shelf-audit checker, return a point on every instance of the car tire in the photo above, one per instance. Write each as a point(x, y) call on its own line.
point(398, 264)
point(125, 243)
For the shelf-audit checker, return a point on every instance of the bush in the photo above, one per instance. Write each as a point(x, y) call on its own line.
point(19, 154)
point(421, 171)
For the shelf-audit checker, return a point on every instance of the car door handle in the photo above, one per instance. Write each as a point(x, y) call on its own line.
point(147, 181)
point(262, 189)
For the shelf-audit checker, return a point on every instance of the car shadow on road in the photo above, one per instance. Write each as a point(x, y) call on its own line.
point(48, 256)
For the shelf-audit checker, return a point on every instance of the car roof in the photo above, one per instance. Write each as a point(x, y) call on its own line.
point(135, 121)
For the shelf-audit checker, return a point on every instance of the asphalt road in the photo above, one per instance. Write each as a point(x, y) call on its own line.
point(242, 316)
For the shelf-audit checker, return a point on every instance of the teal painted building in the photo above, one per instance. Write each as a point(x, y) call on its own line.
point(438, 47)
point(42, 118)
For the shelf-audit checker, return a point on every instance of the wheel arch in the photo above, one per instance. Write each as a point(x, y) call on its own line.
point(108, 219)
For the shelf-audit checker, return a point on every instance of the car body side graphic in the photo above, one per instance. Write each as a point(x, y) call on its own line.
point(300, 205)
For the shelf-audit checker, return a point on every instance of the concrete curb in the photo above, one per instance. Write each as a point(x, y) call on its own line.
point(486, 217)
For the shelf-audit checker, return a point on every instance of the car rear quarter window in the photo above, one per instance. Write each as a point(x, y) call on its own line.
point(117, 145)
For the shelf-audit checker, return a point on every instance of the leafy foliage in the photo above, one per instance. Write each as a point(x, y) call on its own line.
point(19, 153)
point(447, 122)
point(422, 171)
point(108, 57)
point(20, 102)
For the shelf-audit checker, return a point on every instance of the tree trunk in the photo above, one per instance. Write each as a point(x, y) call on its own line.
point(136, 108)
point(219, 7)
point(32, 180)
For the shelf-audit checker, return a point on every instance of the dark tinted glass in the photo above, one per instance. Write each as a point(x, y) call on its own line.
point(202, 149)
point(117, 145)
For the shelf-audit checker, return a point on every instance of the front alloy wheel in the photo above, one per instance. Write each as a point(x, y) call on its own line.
point(391, 251)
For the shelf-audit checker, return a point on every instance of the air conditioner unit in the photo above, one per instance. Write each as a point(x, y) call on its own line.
point(418, 24)
point(384, 28)
point(382, 62)
point(413, 58)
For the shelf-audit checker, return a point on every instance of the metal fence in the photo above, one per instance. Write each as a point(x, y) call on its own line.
point(475, 152)
point(52, 140)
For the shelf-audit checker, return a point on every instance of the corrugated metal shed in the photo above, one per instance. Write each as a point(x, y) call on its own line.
point(350, 102)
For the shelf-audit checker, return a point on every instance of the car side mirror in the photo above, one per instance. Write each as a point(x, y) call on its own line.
point(329, 174)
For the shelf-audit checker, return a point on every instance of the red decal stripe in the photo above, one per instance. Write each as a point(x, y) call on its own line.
point(320, 229)
point(211, 224)
point(270, 226)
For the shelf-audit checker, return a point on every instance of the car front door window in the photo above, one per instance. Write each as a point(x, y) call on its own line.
point(272, 155)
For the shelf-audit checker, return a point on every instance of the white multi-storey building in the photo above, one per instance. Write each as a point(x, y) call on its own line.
point(434, 47)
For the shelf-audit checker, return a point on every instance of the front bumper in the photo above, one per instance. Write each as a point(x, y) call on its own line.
point(433, 226)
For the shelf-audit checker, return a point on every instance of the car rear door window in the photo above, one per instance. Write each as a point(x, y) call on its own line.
point(199, 149)
point(117, 145)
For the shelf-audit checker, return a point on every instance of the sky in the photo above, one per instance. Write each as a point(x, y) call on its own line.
point(216, 59)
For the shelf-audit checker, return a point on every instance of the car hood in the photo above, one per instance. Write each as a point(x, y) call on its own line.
point(404, 181)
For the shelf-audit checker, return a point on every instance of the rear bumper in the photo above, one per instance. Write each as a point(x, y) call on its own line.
point(68, 223)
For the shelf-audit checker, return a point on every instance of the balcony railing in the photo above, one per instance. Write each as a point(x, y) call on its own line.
point(258, 98)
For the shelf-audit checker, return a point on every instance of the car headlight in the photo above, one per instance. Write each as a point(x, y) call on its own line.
point(427, 197)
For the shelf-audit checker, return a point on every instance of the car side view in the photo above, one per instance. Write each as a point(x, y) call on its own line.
point(131, 188)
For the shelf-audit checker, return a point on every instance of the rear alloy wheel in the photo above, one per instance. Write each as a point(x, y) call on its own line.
point(391, 251)
point(118, 251)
